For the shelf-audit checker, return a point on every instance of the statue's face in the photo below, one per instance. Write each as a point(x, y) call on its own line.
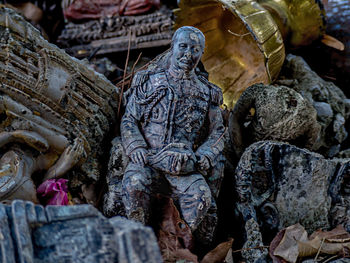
point(187, 51)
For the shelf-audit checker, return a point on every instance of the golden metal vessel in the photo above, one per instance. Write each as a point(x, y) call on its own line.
point(244, 38)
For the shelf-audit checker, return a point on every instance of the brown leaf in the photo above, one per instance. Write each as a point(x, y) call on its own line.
point(274, 243)
point(173, 256)
point(185, 254)
point(173, 224)
point(288, 247)
point(309, 248)
point(332, 42)
point(336, 235)
point(327, 242)
point(174, 236)
point(219, 253)
point(29, 11)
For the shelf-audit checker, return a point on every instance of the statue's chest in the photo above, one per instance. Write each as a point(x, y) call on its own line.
point(191, 106)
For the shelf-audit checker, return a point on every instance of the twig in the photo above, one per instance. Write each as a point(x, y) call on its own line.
point(133, 68)
point(249, 248)
point(125, 68)
point(221, 136)
point(238, 35)
point(319, 250)
point(141, 68)
point(329, 259)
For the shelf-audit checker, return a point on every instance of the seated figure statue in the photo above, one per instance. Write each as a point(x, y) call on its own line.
point(172, 131)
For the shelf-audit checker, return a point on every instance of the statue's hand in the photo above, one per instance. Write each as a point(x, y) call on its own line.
point(178, 159)
point(203, 163)
point(139, 156)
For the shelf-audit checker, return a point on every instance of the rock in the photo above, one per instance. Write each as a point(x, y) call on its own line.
point(254, 240)
point(113, 204)
point(71, 234)
point(279, 185)
point(279, 113)
point(319, 93)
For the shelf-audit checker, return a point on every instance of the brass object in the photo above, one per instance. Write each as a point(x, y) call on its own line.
point(244, 38)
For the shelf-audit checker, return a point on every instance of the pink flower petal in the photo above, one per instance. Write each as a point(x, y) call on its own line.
point(55, 190)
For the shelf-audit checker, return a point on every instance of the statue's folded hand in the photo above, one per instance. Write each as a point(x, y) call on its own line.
point(203, 163)
point(178, 160)
point(139, 156)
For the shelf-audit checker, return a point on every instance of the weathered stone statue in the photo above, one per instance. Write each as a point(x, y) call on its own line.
point(54, 111)
point(279, 185)
point(70, 234)
point(172, 130)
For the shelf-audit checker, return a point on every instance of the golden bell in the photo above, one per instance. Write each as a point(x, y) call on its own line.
point(245, 39)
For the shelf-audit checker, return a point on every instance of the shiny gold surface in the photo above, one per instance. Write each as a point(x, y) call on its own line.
point(244, 38)
point(300, 21)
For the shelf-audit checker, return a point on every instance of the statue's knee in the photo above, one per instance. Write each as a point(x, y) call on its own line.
point(205, 197)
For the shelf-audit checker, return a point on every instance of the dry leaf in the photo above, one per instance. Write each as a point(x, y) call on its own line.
point(332, 42)
point(338, 234)
point(219, 253)
point(185, 254)
point(309, 248)
point(174, 236)
point(274, 243)
point(29, 11)
point(173, 224)
point(294, 244)
point(288, 247)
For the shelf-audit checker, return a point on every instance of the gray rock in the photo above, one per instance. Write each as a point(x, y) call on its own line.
point(71, 234)
point(324, 112)
point(293, 181)
point(254, 240)
point(280, 113)
point(113, 204)
point(319, 93)
point(279, 185)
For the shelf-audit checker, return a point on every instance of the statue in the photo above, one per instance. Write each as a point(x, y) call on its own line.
point(54, 110)
point(172, 131)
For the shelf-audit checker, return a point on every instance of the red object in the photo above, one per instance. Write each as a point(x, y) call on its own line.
point(54, 191)
point(95, 9)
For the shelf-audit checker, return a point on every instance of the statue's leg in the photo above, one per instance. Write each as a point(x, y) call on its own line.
point(194, 196)
point(137, 190)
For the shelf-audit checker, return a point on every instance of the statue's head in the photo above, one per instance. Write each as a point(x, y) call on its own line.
point(187, 48)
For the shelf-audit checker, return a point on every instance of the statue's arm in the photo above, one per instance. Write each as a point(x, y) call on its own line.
point(214, 143)
point(132, 137)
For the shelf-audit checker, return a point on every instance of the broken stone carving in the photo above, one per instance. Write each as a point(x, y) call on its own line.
point(31, 233)
point(55, 111)
point(76, 10)
point(113, 203)
point(333, 108)
point(113, 34)
point(279, 113)
point(172, 131)
point(279, 185)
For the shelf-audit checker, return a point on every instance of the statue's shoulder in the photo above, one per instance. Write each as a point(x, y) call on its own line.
point(158, 78)
point(140, 78)
point(146, 81)
point(216, 96)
